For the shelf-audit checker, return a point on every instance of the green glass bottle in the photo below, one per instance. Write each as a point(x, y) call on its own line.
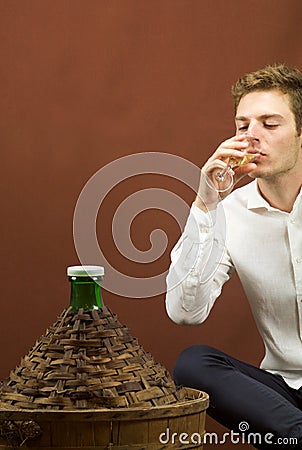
point(85, 289)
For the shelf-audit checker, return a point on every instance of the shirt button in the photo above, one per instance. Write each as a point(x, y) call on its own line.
point(298, 259)
point(204, 229)
point(292, 220)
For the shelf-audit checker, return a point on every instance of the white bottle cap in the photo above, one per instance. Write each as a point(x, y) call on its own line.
point(85, 271)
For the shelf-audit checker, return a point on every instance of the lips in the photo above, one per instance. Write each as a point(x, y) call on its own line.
point(254, 151)
point(259, 157)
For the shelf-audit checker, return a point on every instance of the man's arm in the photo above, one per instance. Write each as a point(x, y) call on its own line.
point(200, 265)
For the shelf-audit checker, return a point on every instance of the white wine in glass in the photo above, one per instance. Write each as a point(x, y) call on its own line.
point(235, 162)
point(222, 179)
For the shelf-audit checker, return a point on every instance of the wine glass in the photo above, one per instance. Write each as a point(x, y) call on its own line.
point(222, 179)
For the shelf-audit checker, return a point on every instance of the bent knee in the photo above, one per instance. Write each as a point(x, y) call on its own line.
point(193, 365)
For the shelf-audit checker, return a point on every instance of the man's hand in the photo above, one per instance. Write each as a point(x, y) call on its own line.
point(208, 197)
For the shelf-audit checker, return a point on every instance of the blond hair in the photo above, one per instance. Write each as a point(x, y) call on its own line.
point(277, 76)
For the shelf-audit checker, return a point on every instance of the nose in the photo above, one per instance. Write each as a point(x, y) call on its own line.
point(253, 132)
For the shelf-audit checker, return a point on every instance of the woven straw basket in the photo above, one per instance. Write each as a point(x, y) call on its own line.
point(87, 384)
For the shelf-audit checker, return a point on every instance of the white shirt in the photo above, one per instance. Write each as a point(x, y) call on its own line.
point(264, 246)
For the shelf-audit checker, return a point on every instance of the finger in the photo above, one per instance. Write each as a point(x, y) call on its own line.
point(214, 165)
point(224, 154)
point(228, 149)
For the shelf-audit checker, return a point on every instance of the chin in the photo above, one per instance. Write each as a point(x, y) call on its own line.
point(259, 174)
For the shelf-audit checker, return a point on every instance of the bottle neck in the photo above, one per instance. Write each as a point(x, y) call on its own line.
point(85, 293)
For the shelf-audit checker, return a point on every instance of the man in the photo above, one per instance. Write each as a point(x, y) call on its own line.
point(256, 231)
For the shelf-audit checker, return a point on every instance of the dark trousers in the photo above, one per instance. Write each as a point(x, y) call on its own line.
point(243, 396)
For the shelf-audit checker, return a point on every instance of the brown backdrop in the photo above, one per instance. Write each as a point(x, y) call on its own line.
point(84, 83)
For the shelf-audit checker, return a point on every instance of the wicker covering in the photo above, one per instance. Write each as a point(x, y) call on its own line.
point(88, 360)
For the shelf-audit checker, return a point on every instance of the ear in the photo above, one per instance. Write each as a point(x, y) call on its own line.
point(299, 134)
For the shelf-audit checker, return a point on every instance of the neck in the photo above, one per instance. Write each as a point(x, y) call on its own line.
point(280, 192)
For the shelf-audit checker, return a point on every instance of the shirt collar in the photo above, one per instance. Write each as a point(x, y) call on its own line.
point(255, 199)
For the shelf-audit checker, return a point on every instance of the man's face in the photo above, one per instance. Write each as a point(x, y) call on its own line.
point(267, 117)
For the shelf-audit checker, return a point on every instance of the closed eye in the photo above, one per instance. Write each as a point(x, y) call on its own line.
point(271, 125)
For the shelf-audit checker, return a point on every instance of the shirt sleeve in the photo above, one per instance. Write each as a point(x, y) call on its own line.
point(200, 265)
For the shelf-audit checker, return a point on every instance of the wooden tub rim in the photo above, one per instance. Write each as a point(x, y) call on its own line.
point(196, 402)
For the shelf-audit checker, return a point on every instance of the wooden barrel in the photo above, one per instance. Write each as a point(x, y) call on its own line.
point(179, 425)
